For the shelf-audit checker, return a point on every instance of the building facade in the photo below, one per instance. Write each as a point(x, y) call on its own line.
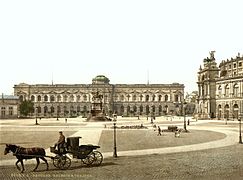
point(60, 100)
point(221, 88)
point(9, 106)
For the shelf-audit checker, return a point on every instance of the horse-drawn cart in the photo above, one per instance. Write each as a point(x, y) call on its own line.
point(87, 153)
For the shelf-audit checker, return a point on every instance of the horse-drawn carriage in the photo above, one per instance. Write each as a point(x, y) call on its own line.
point(62, 160)
point(87, 153)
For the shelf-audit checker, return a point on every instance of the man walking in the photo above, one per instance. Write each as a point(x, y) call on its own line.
point(159, 131)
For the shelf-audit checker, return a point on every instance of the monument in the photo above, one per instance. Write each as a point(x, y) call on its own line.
point(96, 113)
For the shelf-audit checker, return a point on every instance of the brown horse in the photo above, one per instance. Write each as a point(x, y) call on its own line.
point(26, 153)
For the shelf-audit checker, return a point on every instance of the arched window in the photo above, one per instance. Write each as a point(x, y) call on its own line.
point(160, 97)
point(33, 98)
point(128, 97)
point(85, 98)
point(176, 98)
point(52, 109)
point(236, 90)
point(21, 98)
point(153, 108)
point(65, 98)
point(128, 109)
point(45, 98)
point(45, 110)
point(141, 97)
point(134, 108)
point(134, 98)
point(153, 98)
point(219, 90)
point(147, 110)
point(147, 98)
point(71, 98)
point(141, 109)
point(166, 98)
point(227, 90)
point(59, 98)
point(122, 109)
point(122, 98)
point(39, 98)
point(52, 98)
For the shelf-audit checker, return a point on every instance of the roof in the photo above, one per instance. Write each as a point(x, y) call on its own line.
point(8, 97)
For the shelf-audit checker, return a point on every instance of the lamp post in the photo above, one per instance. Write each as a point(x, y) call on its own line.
point(184, 108)
point(36, 109)
point(115, 150)
point(240, 138)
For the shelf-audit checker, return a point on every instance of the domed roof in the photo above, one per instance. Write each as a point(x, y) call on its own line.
point(100, 79)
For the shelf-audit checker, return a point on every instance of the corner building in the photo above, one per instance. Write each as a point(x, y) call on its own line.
point(67, 100)
point(221, 88)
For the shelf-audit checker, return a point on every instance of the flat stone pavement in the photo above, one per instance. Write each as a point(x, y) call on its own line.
point(92, 132)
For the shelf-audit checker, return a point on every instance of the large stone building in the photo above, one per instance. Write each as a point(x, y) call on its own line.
point(58, 100)
point(8, 106)
point(221, 88)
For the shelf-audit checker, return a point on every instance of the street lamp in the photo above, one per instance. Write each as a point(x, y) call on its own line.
point(36, 109)
point(115, 150)
point(184, 108)
point(240, 138)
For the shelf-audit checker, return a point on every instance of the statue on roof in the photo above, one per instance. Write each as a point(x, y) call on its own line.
point(212, 55)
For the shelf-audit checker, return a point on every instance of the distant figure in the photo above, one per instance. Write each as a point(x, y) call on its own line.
point(159, 131)
point(188, 122)
point(65, 120)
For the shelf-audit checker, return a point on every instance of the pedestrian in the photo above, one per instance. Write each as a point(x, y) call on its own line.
point(188, 122)
point(159, 131)
point(65, 120)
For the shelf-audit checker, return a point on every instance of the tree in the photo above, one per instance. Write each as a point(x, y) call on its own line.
point(26, 107)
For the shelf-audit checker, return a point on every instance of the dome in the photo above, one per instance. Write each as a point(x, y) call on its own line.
point(100, 79)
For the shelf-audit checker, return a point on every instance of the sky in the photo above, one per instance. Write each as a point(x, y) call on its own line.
point(129, 41)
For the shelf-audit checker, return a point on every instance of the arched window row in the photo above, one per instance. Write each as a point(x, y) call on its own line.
point(60, 98)
point(228, 89)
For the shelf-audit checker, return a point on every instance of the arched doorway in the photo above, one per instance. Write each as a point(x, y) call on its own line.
point(235, 111)
point(226, 111)
point(219, 111)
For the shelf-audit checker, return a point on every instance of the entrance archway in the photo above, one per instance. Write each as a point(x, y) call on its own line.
point(235, 111)
point(226, 111)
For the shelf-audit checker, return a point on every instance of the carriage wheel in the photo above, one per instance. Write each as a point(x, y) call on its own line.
point(90, 158)
point(62, 162)
point(98, 158)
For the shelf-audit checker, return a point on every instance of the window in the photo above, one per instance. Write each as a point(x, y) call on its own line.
point(234, 65)
point(147, 98)
point(45, 98)
point(230, 66)
point(141, 97)
point(134, 97)
point(176, 98)
point(166, 98)
point(219, 90)
point(58, 98)
point(32, 98)
point(153, 98)
point(39, 98)
point(160, 97)
point(52, 98)
point(227, 90)
point(235, 90)
point(122, 97)
point(85, 98)
point(240, 64)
